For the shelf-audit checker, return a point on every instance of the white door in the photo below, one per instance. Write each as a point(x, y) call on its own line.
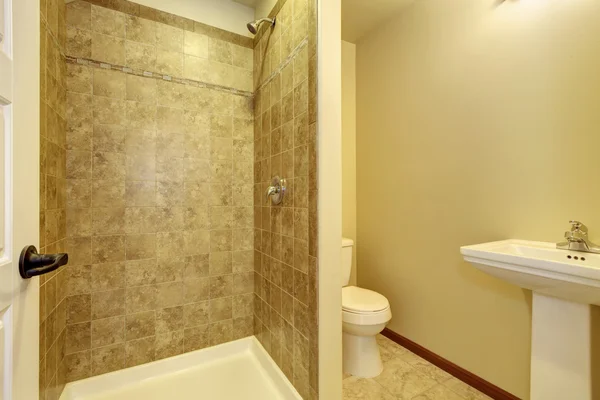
point(19, 196)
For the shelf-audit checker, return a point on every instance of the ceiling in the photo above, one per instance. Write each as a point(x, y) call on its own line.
point(361, 16)
point(249, 3)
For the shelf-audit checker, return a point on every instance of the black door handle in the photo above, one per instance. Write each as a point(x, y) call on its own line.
point(33, 264)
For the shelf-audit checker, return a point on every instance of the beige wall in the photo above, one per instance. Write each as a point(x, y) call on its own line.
point(329, 173)
point(475, 123)
point(349, 147)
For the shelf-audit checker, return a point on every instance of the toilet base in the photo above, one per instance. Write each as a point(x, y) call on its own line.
point(361, 356)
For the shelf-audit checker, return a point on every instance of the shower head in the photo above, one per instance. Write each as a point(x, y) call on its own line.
point(254, 25)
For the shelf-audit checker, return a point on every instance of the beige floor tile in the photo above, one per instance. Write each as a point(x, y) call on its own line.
point(388, 354)
point(364, 389)
point(438, 392)
point(384, 341)
point(388, 345)
point(403, 381)
point(407, 376)
point(425, 367)
point(388, 349)
point(465, 391)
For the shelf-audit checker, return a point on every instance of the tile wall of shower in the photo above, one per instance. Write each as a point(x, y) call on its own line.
point(159, 187)
point(53, 93)
point(285, 134)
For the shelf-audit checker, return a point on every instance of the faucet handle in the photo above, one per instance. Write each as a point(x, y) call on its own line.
point(578, 226)
point(271, 190)
point(276, 191)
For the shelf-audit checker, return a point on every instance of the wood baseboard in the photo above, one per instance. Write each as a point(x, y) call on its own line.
point(460, 373)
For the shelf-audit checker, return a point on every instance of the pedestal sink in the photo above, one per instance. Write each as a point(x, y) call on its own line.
point(564, 283)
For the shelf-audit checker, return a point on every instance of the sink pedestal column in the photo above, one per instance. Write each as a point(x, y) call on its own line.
point(560, 349)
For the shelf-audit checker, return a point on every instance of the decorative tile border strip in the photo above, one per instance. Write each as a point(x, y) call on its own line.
point(155, 75)
point(283, 64)
point(188, 82)
point(152, 14)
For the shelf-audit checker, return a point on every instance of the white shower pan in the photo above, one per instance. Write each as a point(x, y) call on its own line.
point(237, 370)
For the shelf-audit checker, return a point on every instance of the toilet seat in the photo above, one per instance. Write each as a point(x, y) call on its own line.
point(364, 307)
point(359, 300)
point(377, 318)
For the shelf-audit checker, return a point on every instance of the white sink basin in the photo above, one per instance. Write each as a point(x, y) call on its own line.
point(540, 267)
point(564, 284)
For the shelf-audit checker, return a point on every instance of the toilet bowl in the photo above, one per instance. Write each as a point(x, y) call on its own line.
point(364, 314)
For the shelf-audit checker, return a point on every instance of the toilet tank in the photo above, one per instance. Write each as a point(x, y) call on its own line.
point(347, 245)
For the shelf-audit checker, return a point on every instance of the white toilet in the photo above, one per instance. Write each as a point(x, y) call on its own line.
point(364, 314)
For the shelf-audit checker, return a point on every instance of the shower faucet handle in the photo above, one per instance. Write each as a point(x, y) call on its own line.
point(271, 190)
point(276, 191)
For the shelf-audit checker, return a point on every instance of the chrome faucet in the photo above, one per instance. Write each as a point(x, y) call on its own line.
point(276, 191)
point(271, 190)
point(577, 239)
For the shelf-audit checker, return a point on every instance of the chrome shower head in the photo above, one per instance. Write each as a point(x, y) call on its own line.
point(254, 25)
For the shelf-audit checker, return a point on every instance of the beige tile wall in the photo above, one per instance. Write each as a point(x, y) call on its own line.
point(176, 21)
point(159, 196)
point(285, 235)
point(114, 37)
point(52, 194)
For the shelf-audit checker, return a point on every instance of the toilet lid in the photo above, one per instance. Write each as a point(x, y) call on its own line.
point(359, 300)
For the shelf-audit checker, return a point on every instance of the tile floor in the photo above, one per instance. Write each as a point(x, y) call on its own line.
point(407, 376)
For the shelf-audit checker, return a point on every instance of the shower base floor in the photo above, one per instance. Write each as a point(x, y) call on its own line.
point(235, 370)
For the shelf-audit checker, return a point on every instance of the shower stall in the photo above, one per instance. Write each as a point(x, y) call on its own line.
point(160, 136)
